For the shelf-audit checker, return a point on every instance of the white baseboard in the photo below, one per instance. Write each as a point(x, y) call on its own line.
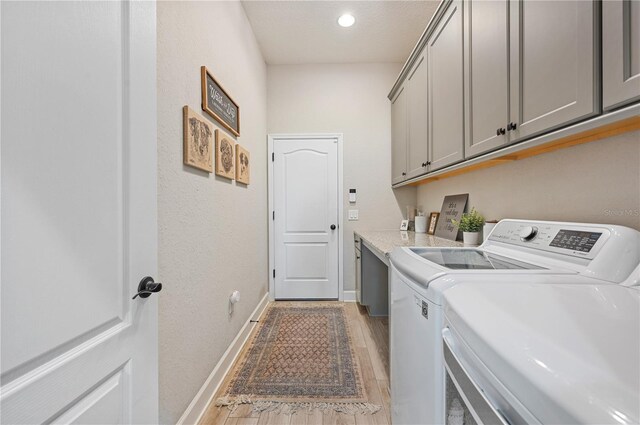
point(205, 395)
point(349, 296)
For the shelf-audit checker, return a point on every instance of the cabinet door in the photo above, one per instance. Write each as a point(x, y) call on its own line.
point(620, 52)
point(553, 64)
point(418, 145)
point(445, 76)
point(399, 137)
point(486, 75)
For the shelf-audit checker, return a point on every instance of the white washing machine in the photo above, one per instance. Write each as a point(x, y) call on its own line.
point(542, 354)
point(516, 252)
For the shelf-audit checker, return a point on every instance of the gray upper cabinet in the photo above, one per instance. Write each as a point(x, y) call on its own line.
point(491, 73)
point(445, 89)
point(417, 146)
point(553, 64)
point(399, 137)
point(486, 75)
point(620, 53)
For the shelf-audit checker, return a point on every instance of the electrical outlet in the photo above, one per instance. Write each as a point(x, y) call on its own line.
point(353, 215)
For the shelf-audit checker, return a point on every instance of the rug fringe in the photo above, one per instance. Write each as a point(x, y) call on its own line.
point(289, 408)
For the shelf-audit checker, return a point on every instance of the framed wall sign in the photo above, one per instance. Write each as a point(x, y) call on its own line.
point(452, 209)
point(217, 103)
point(198, 140)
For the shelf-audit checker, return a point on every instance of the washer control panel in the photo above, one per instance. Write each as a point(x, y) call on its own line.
point(579, 241)
point(576, 240)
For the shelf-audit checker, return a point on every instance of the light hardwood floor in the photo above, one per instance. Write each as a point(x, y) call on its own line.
point(370, 338)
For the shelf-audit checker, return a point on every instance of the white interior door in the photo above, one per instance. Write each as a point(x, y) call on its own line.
point(306, 219)
point(78, 229)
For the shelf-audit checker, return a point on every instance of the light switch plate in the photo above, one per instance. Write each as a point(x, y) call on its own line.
point(353, 215)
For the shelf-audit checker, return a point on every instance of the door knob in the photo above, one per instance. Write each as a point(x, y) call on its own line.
point(500, 131)
point(146, 287)
point(511, 126)
point(333, 227)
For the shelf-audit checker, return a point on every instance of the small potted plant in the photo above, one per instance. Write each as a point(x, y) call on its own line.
point(471, 224)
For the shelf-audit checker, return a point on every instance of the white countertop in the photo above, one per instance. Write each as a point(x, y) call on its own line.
point(384, 241)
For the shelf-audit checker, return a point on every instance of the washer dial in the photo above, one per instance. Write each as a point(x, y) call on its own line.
point(528, 233)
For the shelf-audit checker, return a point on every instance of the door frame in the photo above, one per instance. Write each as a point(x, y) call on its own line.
point(271, 140)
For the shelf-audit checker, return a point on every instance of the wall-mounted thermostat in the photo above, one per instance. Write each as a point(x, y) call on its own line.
point(352, 195)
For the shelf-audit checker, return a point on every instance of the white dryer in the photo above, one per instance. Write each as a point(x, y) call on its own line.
point(543, 354)
point(516, 252)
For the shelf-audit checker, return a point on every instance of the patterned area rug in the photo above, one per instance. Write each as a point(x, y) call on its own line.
point(300, 358)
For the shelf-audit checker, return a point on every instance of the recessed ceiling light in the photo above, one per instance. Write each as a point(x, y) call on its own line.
point(346, 20)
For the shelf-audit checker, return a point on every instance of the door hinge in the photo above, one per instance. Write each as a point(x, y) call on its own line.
point(274, 215)
point(274, 272)
point(273, 156)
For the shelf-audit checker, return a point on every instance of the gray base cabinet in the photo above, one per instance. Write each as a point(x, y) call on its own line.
point(445, 94)
point(620, 53)
point(375, 284)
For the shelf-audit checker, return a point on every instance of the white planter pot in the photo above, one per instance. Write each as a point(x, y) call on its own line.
point(471, 238)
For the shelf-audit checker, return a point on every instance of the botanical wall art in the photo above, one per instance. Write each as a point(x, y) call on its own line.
point(198, 140)
point(224, 155)
point(243, 171)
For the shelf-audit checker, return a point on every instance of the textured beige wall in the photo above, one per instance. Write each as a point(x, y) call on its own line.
point(349, 99)
point(598, 182)
point(212, 232)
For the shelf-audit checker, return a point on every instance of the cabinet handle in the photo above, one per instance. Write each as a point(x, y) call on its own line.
point(511, 126)
point(428, 162)
point(404, 174)
point(424, 164)
point(500, 131)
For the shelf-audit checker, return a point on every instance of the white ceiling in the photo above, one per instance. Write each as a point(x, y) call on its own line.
point(297, 32)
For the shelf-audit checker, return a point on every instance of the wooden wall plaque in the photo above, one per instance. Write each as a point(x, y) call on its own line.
point(217, 103)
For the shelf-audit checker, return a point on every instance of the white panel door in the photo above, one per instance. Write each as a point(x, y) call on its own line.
point(305, 197)
point(78, 228)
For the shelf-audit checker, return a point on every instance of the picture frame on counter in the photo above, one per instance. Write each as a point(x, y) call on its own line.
point(433, 221)
point(453, 207)
point(225, 147)
point(218, 103)
point(197, 140)
point(404, 225)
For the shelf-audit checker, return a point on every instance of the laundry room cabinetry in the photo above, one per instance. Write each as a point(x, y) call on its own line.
point(620, 53)
point(428, 108)
point(445, 90)
point(486, 75)
point(418, 142)
point(554, 62)
point(530, 67)
point(504, 77)
point(399, 137)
